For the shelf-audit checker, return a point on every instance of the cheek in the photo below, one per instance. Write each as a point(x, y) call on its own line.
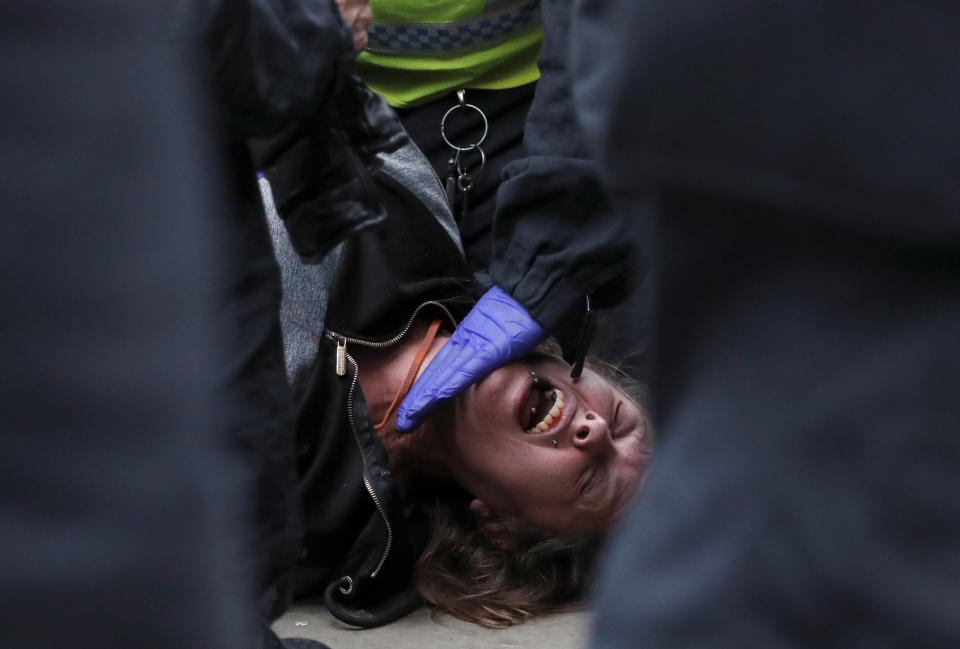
point(490, 456)
point(485, 410)
point(546, 480)
point(633, 468)
point(633, 453)
point(525, 472)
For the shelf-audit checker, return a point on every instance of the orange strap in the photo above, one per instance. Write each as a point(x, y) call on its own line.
point(412, 373)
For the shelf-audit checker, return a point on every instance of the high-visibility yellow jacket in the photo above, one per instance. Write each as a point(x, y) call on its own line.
point(422, 49)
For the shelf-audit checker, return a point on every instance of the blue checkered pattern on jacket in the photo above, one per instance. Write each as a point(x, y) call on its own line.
point(474, 33)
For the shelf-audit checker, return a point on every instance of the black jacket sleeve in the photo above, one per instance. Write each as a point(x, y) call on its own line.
point(556, 236)
point(271, 62)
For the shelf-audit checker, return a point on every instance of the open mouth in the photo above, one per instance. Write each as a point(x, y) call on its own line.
point(540, 408)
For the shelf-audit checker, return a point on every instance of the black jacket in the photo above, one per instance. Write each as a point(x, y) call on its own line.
point(281, 72)
point(359, 546)
point(556, 237)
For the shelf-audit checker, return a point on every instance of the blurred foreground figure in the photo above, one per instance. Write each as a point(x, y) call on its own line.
point(115, 525)
point(804, 162)
point(285, 103)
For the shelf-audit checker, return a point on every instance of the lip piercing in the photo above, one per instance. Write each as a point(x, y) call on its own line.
point(555, 444)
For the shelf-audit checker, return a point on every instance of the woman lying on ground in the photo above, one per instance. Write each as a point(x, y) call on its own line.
point(492, 509)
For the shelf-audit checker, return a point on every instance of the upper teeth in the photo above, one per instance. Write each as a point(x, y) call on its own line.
point(552, 415)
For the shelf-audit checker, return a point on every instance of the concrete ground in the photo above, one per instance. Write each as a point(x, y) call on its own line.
point(419, 631)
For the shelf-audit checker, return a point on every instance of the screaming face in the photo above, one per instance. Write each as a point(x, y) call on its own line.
point(562, 453)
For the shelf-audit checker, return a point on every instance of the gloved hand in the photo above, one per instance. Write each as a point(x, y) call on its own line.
point(496, 331)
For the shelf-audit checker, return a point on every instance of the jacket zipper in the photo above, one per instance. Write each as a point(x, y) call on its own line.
point(343, 357)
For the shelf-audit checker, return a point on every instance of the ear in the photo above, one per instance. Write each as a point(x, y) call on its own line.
point(494, 526)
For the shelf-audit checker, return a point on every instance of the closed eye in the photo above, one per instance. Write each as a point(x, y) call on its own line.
point(613, 424)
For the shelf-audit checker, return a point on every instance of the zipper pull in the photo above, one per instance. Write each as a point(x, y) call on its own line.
point(341, 357)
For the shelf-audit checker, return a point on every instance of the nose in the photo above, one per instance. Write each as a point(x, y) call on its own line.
point(590, 431)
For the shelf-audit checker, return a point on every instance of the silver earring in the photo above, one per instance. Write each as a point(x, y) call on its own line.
point(555, 444)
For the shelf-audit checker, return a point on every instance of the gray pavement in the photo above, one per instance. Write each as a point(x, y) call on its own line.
point(420, 631)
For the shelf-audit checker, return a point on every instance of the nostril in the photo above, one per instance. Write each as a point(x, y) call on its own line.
point(582, 433)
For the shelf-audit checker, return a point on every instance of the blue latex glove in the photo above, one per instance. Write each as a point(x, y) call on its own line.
point(496, 331)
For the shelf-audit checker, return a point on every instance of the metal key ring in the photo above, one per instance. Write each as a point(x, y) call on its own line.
point(443, 128)
point(461, 170)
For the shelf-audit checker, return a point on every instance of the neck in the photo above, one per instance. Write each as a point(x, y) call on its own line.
point(381, 372)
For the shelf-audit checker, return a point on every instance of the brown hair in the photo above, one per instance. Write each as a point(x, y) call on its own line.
point(464, 573)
